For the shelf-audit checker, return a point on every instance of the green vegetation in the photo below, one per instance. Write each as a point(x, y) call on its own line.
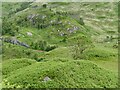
point(61, 74)
point(11, 65)
point(42, 45)
point(59, 45)
point(80, 45)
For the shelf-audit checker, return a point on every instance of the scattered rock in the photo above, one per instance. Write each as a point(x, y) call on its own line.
point(46, 79)
point(75, 28)
point(60, 22)
point(61, 34)
point(31, 16)
point(71, 30)
point(43, 17)
point(29, 33)
point(19, 34)
point(69, 23)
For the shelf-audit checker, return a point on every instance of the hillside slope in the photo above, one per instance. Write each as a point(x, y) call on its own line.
point(60, 45)
point(61, 74)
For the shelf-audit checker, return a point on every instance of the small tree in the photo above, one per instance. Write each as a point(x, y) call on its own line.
point(17, 28)
point(45, 5)
point(42, 45)
point(35, 56)
point(111, 33)
point(81, 44)
point(39, 45)
point(81, 21)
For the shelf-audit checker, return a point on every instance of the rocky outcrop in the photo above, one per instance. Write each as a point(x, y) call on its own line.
point(14, 41)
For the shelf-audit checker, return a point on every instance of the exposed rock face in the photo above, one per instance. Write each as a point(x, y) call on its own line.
point(14, 41)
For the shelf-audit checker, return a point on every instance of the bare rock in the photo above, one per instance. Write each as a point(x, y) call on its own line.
point(46, 79)
point(29, 33)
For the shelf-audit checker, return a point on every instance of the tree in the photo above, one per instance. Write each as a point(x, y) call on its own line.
point(81, 21)
point(45, 5)
point(111, 33)
point(17, 28)
point(35, 56)
point(42, 45)
point(81, 44)
point(39, 45)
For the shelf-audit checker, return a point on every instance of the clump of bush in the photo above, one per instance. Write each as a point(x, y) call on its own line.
point(50, 47)
point(44, 5)
point(9, 27)
point(42, 45)
point(81, 21)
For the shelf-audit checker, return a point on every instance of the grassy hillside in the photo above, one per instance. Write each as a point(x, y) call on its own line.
point(11, 65)
point(60, 45)
point(61, 74)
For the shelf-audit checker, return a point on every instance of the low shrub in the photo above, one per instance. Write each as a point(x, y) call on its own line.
point(69, 74)
point(50, 47)
point(42, 45)
point(14, 64)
